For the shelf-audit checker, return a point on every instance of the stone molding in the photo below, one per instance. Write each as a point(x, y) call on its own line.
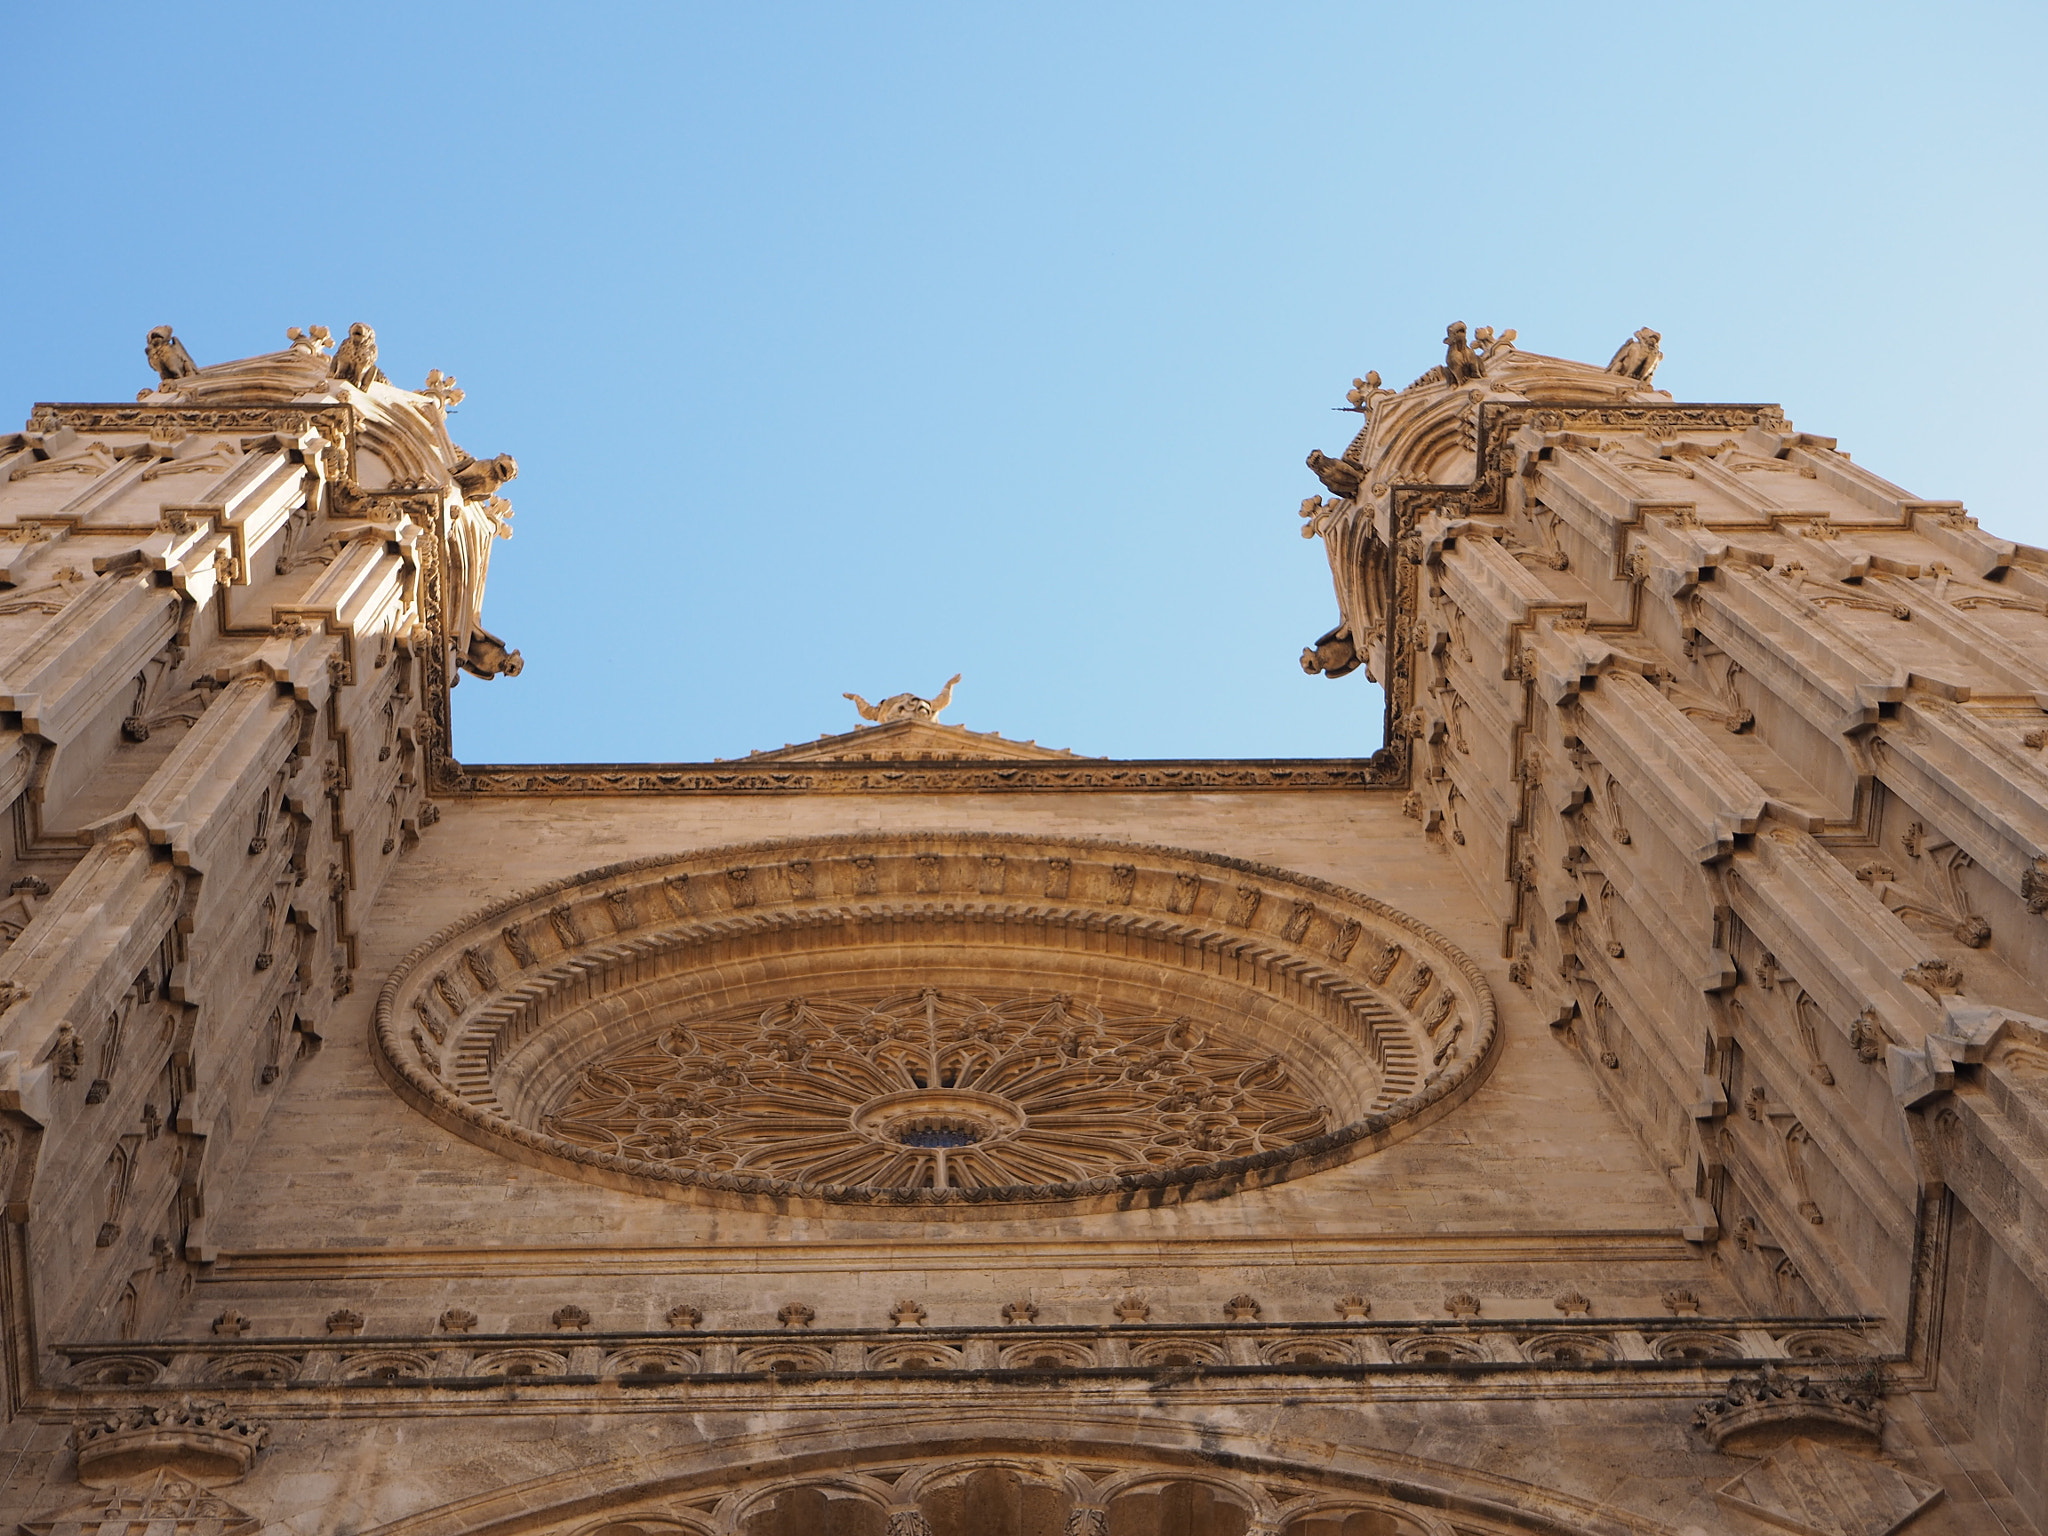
point(1095, 775)
point(1431, 1355)
point(1337, 963)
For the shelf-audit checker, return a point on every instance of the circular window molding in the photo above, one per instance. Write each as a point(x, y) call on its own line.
point(883, 1023)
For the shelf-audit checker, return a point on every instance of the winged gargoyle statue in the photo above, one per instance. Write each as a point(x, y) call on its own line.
point(905, 706)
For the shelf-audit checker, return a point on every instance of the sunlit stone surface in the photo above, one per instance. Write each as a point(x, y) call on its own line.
point(1612, 1106)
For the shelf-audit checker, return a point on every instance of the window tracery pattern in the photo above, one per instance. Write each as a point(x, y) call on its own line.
point(937, 1090)
point(1240, 1024)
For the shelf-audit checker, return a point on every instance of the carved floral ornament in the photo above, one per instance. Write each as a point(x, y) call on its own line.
point(889, 1022)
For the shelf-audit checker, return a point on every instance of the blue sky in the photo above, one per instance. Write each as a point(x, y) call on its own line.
point(850, 347)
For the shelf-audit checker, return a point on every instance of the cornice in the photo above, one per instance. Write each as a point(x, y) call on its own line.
point(967, 777)
point(1442, 1358)
point(965, 1250)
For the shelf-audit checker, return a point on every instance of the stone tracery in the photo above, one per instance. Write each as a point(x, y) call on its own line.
point(879, 1021)
point(932, 1090)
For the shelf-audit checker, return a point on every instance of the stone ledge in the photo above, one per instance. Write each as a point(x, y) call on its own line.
point(1023, 1354)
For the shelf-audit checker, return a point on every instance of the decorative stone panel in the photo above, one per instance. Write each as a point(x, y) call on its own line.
point(880, 1030)
point(199, 1442)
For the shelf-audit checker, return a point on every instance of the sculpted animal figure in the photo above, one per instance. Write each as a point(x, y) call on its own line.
point(355, 360)
point(1461, 363)
point(479, 478)
point(1638, 357)
point(1333, 655)
point(905, 706)
point(486, 656)
point(1340, 476)
point(167, 355)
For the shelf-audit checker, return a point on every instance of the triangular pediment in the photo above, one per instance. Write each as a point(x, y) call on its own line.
point(910, 741)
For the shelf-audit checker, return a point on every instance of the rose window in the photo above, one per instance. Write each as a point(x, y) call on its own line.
point(936, 1090)
point(890, 1021)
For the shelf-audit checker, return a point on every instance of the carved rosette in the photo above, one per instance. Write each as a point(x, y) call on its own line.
point(878, 1023)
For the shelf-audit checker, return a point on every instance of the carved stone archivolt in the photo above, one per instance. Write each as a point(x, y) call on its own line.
point(889, 1022)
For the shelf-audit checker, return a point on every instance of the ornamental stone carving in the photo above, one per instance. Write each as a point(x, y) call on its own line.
point(875, 1023)
point(168, 1506)
point(203, 1442)
point(935, 1090)
point(1760, 1411)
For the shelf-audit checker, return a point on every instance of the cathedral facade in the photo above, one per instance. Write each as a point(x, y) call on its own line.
point(1618, 1104)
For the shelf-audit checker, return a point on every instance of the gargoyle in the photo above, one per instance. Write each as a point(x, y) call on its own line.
point(167, 355)
point(905, 706)
point(355, 360)
point(1638, 357)
point(1339, 476)
point(1461, 363)
point(478, 479)
point(486, 656)
point(1333, 655)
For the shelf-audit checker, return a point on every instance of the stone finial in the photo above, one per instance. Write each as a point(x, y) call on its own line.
point(1353, 1308)
point(1241, 1308)
point(685, 1317)
point(1682, 1303)
point(441, 386)
point(231, 1324)
point(570, 1319)
point(1572, 1304)
point(905, 706)
point(1934, 977)
point(906, 1314)
point(314, 340)
point(1462, 1304)
point(1363, 392)
point(1019, 1312)
point(458, 1320)
point(1132, 1308)
point(796, 1315)
point(344, 1320)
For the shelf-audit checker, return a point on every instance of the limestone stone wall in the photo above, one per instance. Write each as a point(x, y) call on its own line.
point(1741, 747)
point(222, 672)
point(1612, 1107)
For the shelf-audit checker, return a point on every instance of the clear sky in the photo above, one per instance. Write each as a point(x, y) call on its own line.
point(849, 347)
